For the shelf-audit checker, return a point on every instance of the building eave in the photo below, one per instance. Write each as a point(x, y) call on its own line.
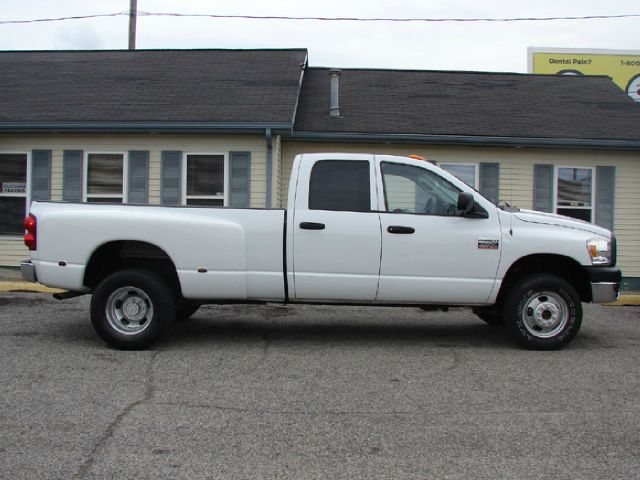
point(143, 127)
point(467, 140)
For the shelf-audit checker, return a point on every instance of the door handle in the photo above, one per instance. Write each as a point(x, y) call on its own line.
point(311, 226)
point(401, 230)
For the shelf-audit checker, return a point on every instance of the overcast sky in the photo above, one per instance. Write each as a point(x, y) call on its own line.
point(442, 46)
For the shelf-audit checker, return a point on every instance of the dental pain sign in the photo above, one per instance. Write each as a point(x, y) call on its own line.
point(622, 66)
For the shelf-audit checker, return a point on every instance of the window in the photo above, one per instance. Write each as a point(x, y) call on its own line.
point(574, 192)
point(205, 180)
point(105, 178)
point(340, 185)
point(467, 172)
point(13, 193)
point(410, 189)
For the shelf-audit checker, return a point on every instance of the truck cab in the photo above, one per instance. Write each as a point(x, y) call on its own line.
point(388, 230)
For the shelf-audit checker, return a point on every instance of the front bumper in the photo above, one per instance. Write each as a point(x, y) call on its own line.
point(605, 283)
point(28, 271)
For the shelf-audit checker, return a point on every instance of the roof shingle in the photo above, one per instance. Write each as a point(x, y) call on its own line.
point(469, 104)
point(222, 86)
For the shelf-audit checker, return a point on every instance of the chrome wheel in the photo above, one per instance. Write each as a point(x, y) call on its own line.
point(545, 314)
point(129, 310)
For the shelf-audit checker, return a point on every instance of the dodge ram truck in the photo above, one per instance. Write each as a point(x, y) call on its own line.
point(359, 229)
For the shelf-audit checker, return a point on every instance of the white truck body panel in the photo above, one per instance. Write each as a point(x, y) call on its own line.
point(241, 250)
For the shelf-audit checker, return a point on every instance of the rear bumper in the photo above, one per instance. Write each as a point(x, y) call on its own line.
point(605, 283)
point(28, 271)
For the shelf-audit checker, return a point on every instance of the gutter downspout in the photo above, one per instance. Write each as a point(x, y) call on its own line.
point(269, 139)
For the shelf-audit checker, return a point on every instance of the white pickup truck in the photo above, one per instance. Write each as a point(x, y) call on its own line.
point(359, 229)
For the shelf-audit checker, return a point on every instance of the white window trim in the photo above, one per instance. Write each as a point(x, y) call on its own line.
point(85, 176)
point(27, 194)
point(224, 197)
point(556, 170)
point(476, 166)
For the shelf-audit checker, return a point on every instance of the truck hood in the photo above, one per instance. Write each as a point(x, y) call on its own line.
point(560, 221)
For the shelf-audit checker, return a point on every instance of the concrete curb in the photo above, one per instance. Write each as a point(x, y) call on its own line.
point(626, 300)
point(26, 287)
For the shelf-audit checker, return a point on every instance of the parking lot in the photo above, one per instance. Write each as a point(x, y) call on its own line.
point(316, 392)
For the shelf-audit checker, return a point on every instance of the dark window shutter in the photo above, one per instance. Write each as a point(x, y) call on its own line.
point(489, 180)
point(171, 178)
point(72, 176)
point(41, 175)
point(138, 177)
point(240, 179)
point(605, 196)
point(543, 188)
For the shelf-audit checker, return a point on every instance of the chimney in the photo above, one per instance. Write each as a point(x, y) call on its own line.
point(334, 109)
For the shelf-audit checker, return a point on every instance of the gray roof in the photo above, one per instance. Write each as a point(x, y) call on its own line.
point(197, 90)
point(468, 104)
point(215, 86)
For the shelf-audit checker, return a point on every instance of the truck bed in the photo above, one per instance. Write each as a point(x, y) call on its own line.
point(218, 253)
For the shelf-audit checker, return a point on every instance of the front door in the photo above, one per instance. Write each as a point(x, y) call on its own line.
point(429, 253)
point(336, 231)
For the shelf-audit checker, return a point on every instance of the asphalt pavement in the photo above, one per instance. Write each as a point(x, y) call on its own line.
point(307, 392)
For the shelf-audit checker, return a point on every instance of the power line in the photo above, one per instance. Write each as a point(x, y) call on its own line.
point(60, 19)
point(322, 19)
point(389, 19)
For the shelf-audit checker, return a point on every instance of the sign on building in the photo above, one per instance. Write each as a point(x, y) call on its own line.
point(623, 66)
point(13, 187)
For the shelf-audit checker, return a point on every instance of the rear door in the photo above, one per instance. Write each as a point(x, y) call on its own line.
point(336, 231)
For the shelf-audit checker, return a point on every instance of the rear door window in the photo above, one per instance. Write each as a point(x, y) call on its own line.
point(340, 185)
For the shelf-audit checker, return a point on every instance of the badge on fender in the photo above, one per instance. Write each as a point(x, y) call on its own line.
point(488, 244)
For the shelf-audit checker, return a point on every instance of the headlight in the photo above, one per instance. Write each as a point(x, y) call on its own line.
point(600, 251)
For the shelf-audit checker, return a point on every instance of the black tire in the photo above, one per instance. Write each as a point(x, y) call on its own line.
point(131, 309)
point(491, 315)
point(186, 309)
point(543, 312)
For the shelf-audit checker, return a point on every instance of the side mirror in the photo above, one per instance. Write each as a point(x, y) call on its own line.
point(467, 207)
point(465, 203)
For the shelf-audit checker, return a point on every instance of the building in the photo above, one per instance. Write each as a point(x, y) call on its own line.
point(221, 127)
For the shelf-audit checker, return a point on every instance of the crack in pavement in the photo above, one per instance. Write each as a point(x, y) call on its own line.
point(378, 413)
point(148, 394)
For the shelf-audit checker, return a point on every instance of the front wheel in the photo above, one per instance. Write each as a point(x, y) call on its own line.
point(131, 309)
point(543, 312)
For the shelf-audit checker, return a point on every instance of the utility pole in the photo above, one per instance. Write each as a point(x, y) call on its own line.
point(133, 14)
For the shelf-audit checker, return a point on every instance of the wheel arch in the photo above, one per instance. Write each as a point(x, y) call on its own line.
point(119, 255)
point(559, 265)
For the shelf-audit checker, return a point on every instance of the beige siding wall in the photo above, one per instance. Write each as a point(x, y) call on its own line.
point(12, 251)
point(516, 172)
point(401, 193)
point(11, 248)
point(516, 178)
